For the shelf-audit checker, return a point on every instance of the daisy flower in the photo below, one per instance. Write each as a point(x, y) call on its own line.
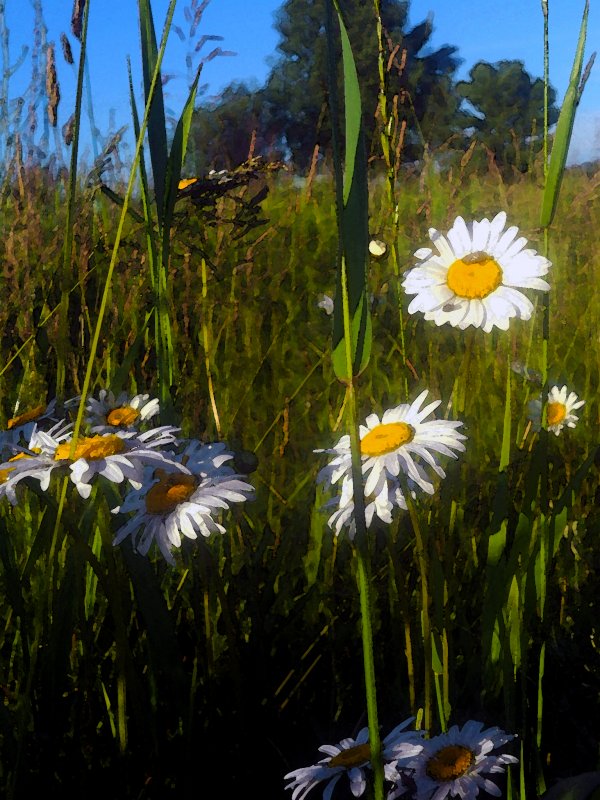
point(22, 425)
point(473, 277)
point(559, 410)
point(352, 756)
point(177, 504)
point(35, 461)
point(115, 456)
point(388, 446)
point(455, 763)
point(110, 413)
point(207, 460)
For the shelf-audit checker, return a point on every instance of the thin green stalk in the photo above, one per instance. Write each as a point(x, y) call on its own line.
point(351, 345)
point(546, 295)
point(423, 562)
point(119, 234)
point(363, 559)
point(68, 238)
point(206, 344)
point(545, 341)
point(387, 148)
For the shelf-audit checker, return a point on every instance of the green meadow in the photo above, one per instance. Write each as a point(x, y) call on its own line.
point(126, 677)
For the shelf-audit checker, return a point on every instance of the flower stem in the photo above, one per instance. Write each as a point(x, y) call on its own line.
point(387, 149)
point(423, 563)
point(362, 555)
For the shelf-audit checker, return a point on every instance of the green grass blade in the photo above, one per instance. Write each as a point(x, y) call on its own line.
point(505, 451)
point(354, 228)
point(157, 128)
point(177, 156)
point(564, 129)
point(63, 348)
point(118, 380)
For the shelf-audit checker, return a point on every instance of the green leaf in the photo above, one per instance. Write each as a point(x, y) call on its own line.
point(157, 129)
point(119, 377)
point(353, 221)
point(514, 622)
point(505, 451)
point(177, 155)
point(564, 129)
point(312, 559)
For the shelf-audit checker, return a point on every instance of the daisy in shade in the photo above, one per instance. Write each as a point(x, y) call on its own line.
point(456, 763)
point(22, 425)
point(352, 757)
point(35, 461)
point(176, 504)
point(116, 456)
point(559, 410)
point(207, 459)
point(388, 446)
point(109, 413)
point(473, 276)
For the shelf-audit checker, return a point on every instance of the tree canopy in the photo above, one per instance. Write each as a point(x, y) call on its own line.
point(501, 104)
point(508, 111)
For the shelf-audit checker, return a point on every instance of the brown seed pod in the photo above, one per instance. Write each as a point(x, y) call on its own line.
point(52, 87)
point(66, 48)
point(68, 130)
point(77, 18)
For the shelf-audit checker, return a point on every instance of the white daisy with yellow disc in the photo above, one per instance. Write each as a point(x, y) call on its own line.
point(454, 764)
point(353, 757)
point(34, 461)
point(21, 426)
point(559, 410)
point(109, 413)
point(117, 457)
point(473, 277)
point(173, 504)
point(401, 441)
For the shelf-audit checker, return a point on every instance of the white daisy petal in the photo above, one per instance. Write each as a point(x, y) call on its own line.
point(454, 764)
point(559, 410)
point(473, 281)
point(181, 501)
point(387, 450)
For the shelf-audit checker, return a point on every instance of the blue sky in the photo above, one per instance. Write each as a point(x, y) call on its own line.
point(484, 30)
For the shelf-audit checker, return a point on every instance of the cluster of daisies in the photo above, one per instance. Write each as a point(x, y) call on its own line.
point(469, 277)
point(452, 764)
point(176, 487)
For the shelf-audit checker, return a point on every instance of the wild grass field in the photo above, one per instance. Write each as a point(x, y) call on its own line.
point(126, 676)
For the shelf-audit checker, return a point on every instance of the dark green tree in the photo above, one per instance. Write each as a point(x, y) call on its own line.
point(225, 130)
point(297, 89)
point(507, 112)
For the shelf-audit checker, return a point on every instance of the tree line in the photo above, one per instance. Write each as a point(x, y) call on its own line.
point(500, 106)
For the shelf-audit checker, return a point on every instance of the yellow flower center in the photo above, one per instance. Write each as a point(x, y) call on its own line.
point(171, 490)
point(556, 412)
point(18, 457)
point(4, 474)
point(450, 763)
point(91, 448)
point(122, 417)
point(352, 757)
point(21, 419)
point(185, 182)
point(386, 438)
point(475, 275)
